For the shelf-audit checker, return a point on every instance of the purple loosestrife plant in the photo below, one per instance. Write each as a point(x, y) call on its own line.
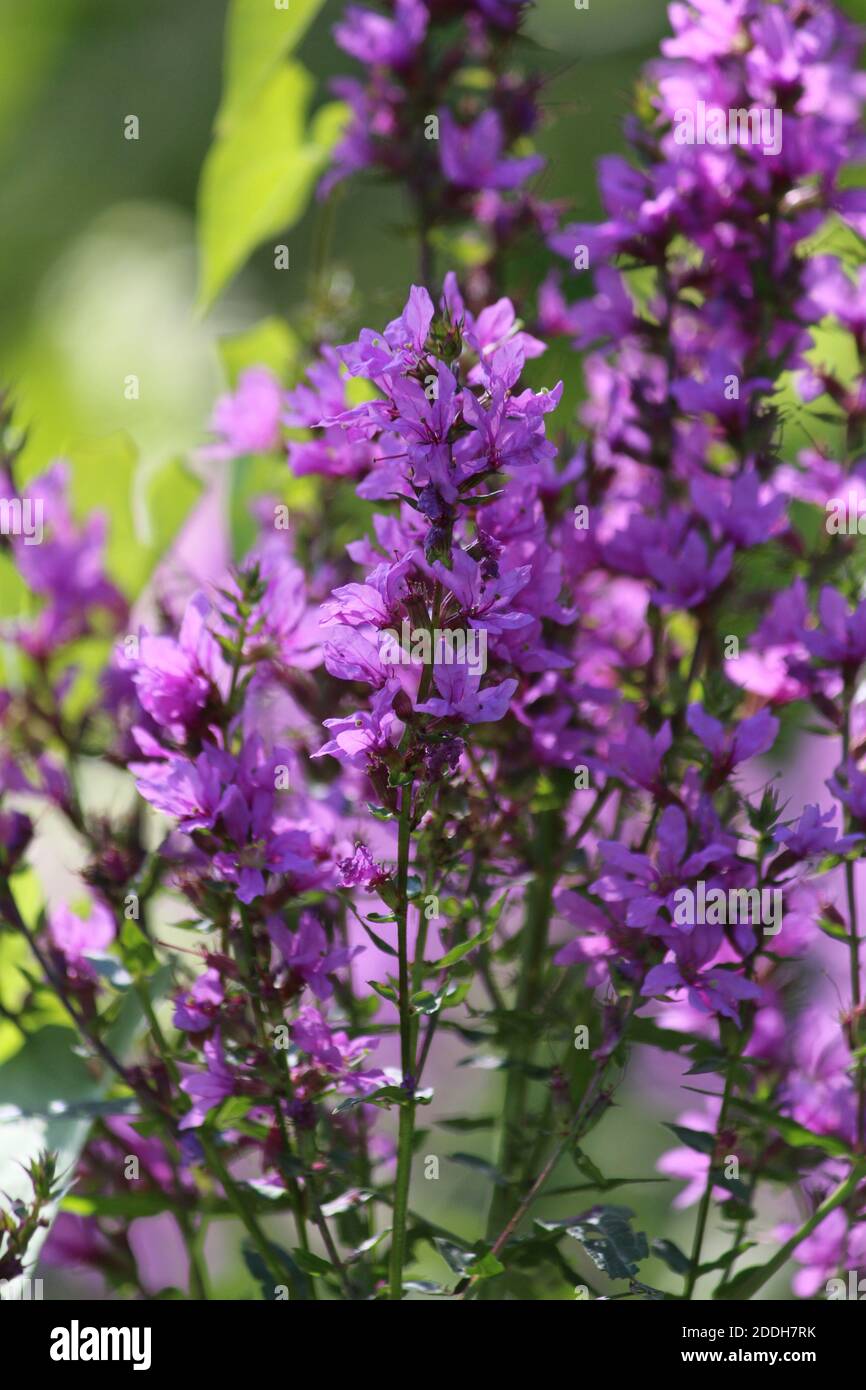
point(492, 785)
point(420, 117)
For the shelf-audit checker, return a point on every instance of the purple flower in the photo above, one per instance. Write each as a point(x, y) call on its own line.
point(188, 790)
point(360, 736)
point(711, 988)
point(66, 570)
point(16, 831)
point(647, 884)
point(850, 789)
point(361, 871)
point(306, 952)
point(247, 817)
point(372, 38)
point(834, 1247)
point(462, 699)
point(813, 835)
point(350, 656)
point(728, 748)
point(197, 1010)
point(248, 419)
point(687, 576)
point(79, 937)
point(471, 156)
point(401, 345)
point(485, 603)
point(176, 679)
point(335, 1051)
point(817, 1092)
point(638, 759)
point(841, 638)
point(209, 1087)
point(741, 509)
point(721, 392)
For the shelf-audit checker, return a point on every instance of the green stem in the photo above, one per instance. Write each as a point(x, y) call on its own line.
point(727, 1096)
point(192, 1237)
point(704, 1208)
point(540, 900)
point(854, 948)
point(747, 1284)
point(583, 1114)
point(265, 1044)
point(242, 1207)
point(742, 1224)
point(405, 1141)
point(406, 1131)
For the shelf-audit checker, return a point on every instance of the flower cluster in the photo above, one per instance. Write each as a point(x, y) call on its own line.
point(421, 117)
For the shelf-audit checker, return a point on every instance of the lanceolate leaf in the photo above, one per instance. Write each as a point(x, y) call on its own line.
point(258, 36)
point(259, 174)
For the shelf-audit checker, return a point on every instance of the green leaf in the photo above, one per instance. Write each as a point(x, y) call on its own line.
point(480, 1165)
point(696, 1139)
point(144, 514)
point(836, 930)
point(672, 1256)
point(735, 1186)
point(743, 1285)
point(251, 477)
point(644, 1030)
point(486, 1267)
point(269, 343)
point(793, 1133)
point(385, 1096)
point(724, 1261)
point(312, 1264)
point(586, 1166)
point(258, 36)
point(426, 1002)
point(378, 941)
point(297, 1280)
point(607, 1237)
point(73, 1109)
point(138, 954)
point(454, 992)
point(464, 1123)
point(111, 970)
point(102, 476)
point(387, 991)
point(458, 952)
point(459, 1260)
point(46, 1071)
point(713, 1062)
point(124, 1204)
point(258, 176)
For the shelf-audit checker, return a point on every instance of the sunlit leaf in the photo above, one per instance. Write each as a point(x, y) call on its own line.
point(258, 176)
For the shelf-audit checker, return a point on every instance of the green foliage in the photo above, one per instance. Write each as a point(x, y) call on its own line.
point(297, 1280)
point(258, 36)
point(269, 343)
point(259, 174)
point(48, 1087)
point(607, 1236)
